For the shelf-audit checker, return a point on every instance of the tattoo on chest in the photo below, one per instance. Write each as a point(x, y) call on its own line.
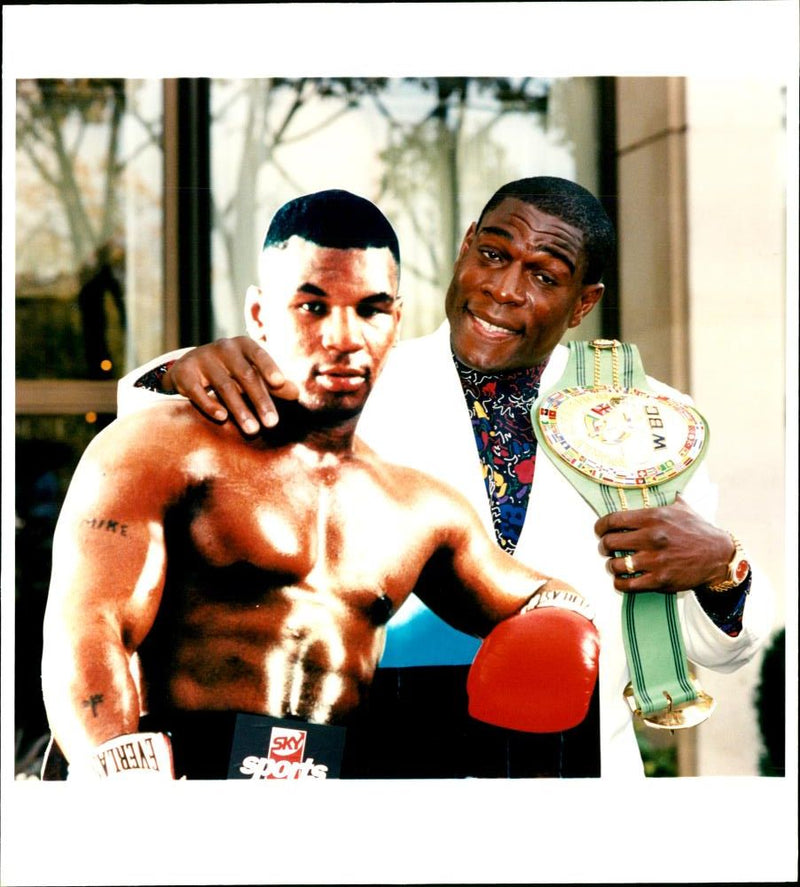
point(112, 526)
point(92, 702)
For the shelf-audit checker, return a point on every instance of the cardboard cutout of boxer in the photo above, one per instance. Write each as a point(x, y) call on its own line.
point(202, 579)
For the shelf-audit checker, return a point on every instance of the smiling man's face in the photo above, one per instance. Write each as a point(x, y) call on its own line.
point(517, 287)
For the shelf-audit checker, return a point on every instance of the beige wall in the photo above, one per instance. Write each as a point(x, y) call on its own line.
point(736, 181)
point(651, 223)
point(702, 255)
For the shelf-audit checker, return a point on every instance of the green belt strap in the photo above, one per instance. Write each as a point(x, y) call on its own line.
point(654, 647)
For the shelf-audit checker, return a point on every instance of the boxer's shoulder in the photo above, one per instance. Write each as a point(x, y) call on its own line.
point(177, 426)
point(152, 444)
point(129, 429)
point(442, 504)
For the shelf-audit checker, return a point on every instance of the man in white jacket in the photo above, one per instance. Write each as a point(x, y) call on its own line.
point(528, 270)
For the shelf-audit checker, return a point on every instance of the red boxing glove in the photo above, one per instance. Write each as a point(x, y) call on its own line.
point(535, 671)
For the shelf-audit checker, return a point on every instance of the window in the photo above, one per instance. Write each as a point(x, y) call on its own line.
point(88, 227)
point(429, 151)
point(128, 244)
point(89, 305)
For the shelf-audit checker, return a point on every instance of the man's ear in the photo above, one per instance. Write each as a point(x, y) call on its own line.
point(589, 297)
point(398, 308)
point(465, 243)
point(252, 314)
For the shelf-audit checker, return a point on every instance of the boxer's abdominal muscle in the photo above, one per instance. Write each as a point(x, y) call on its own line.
point(299, 653)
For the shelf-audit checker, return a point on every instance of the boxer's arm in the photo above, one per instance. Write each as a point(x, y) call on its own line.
point(471, 583)
point(536, 669)
point(107, 577)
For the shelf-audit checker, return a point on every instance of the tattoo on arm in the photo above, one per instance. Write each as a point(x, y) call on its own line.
point(113, 526)
point(92, 702)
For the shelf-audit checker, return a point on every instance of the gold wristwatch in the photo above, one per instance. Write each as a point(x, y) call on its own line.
point(738, 568)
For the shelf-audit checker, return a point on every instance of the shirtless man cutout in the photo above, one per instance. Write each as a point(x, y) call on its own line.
point(199, 570)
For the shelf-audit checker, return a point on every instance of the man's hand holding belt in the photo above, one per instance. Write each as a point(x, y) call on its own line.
point(671, 548)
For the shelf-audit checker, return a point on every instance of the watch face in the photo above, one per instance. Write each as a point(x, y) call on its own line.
point(740, 570)
point(621, 437)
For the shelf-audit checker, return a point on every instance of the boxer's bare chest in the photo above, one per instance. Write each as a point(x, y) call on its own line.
point(295, 522)
point(282, 569)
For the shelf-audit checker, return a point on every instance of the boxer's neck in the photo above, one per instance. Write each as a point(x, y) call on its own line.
point(320, 430)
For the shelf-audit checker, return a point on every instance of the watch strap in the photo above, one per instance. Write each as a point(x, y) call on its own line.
point(738, 568)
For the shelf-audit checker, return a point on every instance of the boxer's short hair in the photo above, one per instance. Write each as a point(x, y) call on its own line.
point(572, 204)
point(335, 219)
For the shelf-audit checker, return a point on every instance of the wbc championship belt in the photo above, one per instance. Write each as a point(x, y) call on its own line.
point(622, 446)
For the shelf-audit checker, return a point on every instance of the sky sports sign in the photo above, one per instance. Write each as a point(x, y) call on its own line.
point(276, 748)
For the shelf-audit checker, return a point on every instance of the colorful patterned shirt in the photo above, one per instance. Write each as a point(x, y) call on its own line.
point(500, 408)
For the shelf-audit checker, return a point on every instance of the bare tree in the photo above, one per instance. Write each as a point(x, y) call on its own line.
point(271, 111)
point(69, 199)
point(59, 123)
point(421, 158)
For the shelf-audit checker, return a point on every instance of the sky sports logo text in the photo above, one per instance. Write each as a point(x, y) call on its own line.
point(284, 758)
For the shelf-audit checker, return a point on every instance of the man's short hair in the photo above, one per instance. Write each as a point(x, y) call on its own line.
point(335, 219)
point(572, 204)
